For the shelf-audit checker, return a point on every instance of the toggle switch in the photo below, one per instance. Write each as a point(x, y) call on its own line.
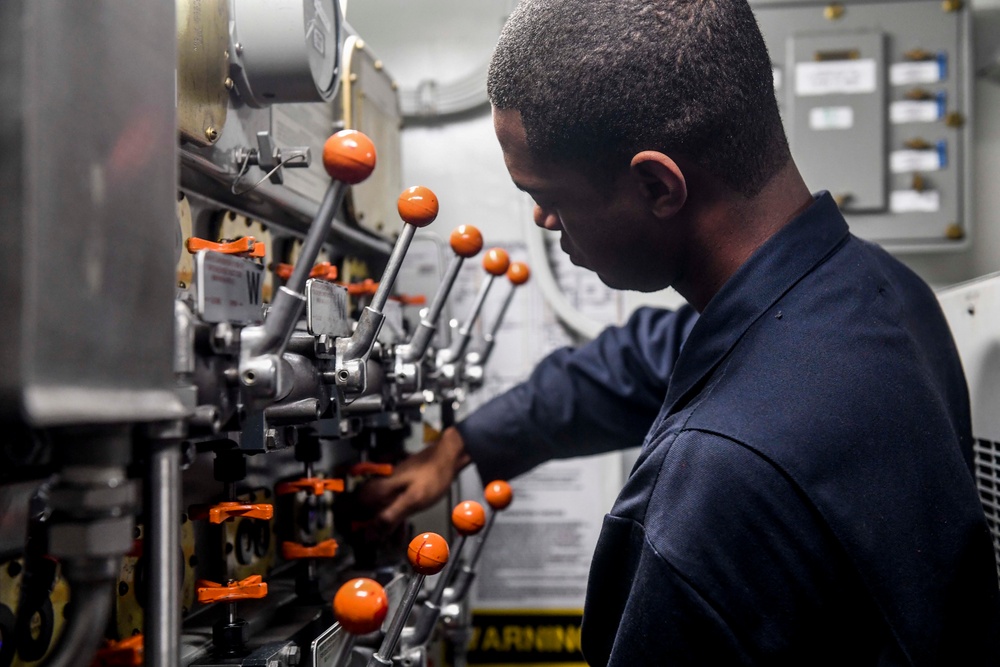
point(468, 518)
point(428, 555)
point(498, 496)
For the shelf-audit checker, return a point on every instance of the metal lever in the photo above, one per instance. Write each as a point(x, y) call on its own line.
point(517, 274)
point(428, 554)
point(349, 158)
point(498, 496)
point(466, 241)
point(418, 207)
point(496, 263)
point(360, 606)
point(468, 518)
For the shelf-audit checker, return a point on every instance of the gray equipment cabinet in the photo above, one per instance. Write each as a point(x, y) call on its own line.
point(876, 98)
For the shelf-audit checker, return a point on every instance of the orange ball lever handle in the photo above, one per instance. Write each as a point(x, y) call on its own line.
point(428, 554)
point(360, 606)
point(349, 157)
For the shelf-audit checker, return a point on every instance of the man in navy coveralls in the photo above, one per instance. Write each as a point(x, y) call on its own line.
point(803, 494)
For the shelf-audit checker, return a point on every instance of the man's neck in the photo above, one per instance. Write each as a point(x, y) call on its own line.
point(730, 228)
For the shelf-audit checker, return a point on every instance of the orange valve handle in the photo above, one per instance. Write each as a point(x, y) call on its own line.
point(323, 271)
point(498, 494)
point(360, 606)
point(417, 206)
point(125, 653)
point(466, 241)
point(293, 551)
point(518, 273)
point(247, 246)
point(427, 553)
point(468, 518)
point(318, 486)
point(496, 261)
point(366, 287)
point(372, 469)
point(410, 299)
point(251, 588)
point(230, 510)
point(349, 157)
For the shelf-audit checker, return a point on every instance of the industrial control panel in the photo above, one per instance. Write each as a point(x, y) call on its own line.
point(206, 352)
point(876, 102)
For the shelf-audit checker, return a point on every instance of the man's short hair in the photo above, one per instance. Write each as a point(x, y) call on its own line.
point(599, 80)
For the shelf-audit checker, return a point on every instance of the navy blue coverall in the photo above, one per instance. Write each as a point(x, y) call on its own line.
point(804, 492)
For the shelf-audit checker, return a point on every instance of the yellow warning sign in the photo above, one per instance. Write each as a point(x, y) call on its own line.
point(526, 637)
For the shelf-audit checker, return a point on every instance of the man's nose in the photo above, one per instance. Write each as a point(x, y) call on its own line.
point(547, 219)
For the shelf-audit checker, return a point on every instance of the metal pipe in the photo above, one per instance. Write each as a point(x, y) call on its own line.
point(163, 549)
point(90, 607)
point(383, 656)
point(289, 300)
point(392, 268)
point(465, 333)
point(490, 338)
point(428, 323)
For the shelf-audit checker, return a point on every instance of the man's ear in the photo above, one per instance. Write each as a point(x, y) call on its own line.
point(661, 182)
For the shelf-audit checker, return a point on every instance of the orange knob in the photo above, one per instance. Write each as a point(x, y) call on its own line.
point(468, 517)
point(417, 206)
point(428, 553)
point(518, 273)
point(360, 606)
point(498, 494)
point(349, 156)
point(496, 261)
point(466, 241)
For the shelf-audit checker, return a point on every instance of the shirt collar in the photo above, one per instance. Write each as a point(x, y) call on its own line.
point(764, 278)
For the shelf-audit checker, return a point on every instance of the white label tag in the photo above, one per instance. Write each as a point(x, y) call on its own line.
point(908, 74)
point(831, 118)
point(850, 77)
point(915, 111)
point(228, 288)
point(912, 201)
point(906, 161)
point(326, 308)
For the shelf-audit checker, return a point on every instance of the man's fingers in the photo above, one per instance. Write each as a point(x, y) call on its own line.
point(379, 492)
point(399, 509)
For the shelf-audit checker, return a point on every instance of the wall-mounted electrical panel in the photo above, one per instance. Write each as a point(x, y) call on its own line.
point(876, 101)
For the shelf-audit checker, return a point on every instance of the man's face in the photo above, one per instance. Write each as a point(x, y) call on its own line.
point(605, 226)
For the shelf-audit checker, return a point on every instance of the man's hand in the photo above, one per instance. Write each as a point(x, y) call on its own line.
point(418, 482)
